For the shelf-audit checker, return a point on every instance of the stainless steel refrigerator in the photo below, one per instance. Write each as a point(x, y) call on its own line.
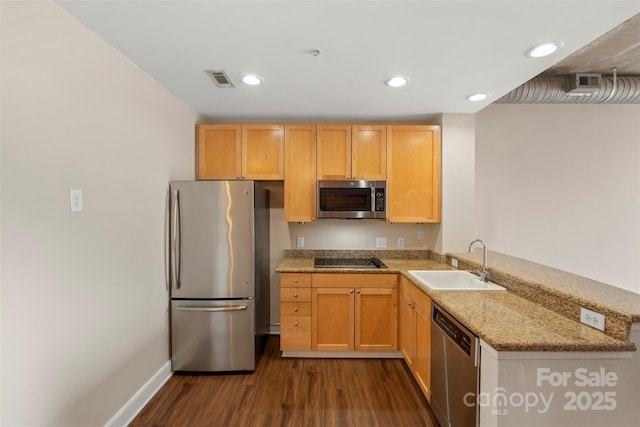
point(219, 274)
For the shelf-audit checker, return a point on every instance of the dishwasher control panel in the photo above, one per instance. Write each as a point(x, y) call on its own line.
point(449, 327)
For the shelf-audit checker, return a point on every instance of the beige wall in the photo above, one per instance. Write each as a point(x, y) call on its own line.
point(458, 175)
point(560, 185)
point(84, 303)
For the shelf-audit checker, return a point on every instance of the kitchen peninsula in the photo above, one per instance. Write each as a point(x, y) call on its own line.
point(529, 336)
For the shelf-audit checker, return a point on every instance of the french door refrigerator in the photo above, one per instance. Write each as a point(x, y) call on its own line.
point(219, 274)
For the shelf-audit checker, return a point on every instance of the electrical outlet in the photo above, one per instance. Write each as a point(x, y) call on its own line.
point(381, 242)
point(400, 242)
point(420, 234)
point(76, 200)
point(591, 318)
point(454, 263)
point(300, 242)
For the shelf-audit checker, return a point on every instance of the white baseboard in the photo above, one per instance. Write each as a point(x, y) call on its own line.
point(128, 412)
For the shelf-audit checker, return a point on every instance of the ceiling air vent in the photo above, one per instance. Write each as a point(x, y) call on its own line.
point(582, 84)
point(220, 78)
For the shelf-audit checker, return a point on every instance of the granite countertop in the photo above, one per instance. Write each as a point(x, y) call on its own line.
point(305, 265)
point(503, 319)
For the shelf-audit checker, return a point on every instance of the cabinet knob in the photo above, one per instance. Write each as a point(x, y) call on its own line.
point(358, 291)
point(295, 309)
point(295, 323)
point(351, 291)
point(295, 280)
point(295, 295)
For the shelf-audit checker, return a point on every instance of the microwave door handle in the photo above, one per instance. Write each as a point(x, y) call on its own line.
point(373, 199)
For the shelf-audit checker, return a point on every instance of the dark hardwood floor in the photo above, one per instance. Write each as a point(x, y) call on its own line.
point(293, 392)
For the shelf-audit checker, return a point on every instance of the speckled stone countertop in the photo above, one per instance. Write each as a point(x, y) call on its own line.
point(301, 261)
point(559, 290)
point(505, 320)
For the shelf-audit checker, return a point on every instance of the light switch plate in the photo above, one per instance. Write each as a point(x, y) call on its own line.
point(592, 318)
point(400, 242)
point(420, 234)
point(76, 201)
point(454, 263)
point(300, 242)
point(381, 242)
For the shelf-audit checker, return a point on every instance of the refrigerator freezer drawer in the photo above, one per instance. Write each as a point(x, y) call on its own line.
point(213, 336)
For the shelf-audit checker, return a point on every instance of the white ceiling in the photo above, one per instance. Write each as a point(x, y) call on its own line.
point(449, 49)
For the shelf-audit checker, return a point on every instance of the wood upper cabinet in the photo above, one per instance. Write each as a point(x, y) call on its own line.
point(415, 333)
point(300, 173)
point(263, 152)
point(354, 312)
point(413, 173)
point(240, 152)
point(352, 152)
point(218, 150)
point(369, 152)
point(295, 311)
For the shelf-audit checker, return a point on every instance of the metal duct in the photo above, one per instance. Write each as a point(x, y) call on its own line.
point(552, 90)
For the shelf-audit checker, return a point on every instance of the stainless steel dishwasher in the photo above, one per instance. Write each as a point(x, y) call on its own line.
point(454, 371)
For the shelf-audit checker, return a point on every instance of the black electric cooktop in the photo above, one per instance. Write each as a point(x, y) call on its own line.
point(348, 263)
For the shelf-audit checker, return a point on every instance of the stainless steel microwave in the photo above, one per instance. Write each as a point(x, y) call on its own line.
point(352, 199)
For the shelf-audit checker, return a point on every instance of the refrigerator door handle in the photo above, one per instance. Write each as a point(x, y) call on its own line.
point(212, 309)
point(176, 247)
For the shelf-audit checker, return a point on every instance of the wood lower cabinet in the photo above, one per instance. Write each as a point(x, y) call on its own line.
point(407, 326)
point(333, 318)
point(413, 173)
point(295, 311)
point(238, 152)
point(415, 333)
point(354, 312)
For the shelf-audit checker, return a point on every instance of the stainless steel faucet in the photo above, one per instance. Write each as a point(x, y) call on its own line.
point(483, 273)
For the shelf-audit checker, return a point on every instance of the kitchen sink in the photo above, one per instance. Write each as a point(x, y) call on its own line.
point(453, 280)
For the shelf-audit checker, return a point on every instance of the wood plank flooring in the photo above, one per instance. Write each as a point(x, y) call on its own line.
point(293, 392)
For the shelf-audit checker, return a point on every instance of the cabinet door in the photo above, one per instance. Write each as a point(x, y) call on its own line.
point(332, 315)
point(334, 152)
point(407, 334)
point(218, 152)
point(300, 174)
point(369, 152)
point(263, 152)
point(413, 173)
point(422, 360)
point(376, 320)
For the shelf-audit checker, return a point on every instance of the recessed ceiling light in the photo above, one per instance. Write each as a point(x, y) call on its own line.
point(478, 97)
point(251, 79)
point(544, 49)
point(397, 81)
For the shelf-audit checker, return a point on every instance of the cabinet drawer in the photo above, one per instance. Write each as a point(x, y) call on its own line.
point(295, 294)
point(295, 333)
point(295, 309)
point(356, 280)
point(288, 280)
